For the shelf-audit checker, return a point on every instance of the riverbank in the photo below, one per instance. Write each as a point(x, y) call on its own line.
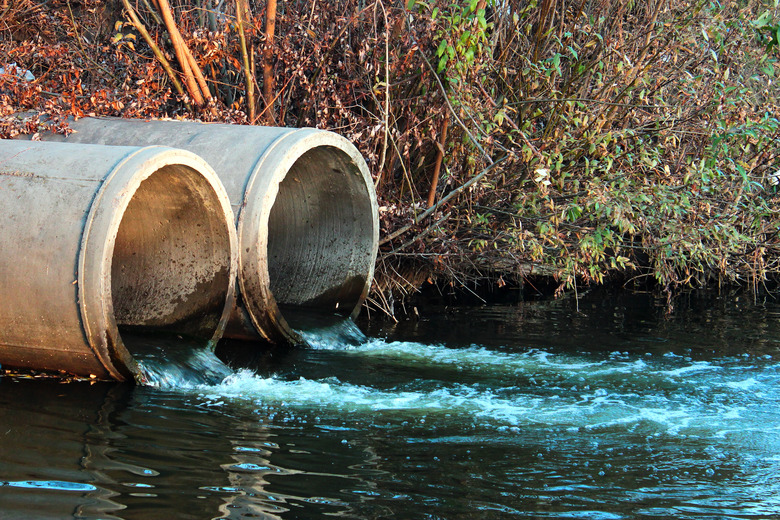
point(563, 144)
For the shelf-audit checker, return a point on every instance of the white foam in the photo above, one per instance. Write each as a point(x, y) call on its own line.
point(474, 358)
point(746, 384)
point(568, 391)
point(696, 367)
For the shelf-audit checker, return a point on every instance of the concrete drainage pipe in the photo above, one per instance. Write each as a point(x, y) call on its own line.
point(100, 240)
point(306, 212)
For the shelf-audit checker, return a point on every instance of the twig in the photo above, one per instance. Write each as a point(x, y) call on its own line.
point(152, 12)
point(419, 235)
point(383, 306)
point(281, 91)
point(541, 28)
point(452, 110)
point(81, 46)
point(326, 55)
point(584, 100)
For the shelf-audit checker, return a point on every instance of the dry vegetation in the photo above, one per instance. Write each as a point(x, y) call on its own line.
point(579, 140)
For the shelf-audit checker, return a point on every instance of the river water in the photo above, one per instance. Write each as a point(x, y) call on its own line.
point(602, 408)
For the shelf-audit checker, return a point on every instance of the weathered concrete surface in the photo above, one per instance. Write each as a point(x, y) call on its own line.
point(97, 238)
point(306, 211)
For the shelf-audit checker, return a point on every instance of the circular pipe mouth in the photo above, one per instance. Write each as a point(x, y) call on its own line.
point(157, 259)
point(316, 236)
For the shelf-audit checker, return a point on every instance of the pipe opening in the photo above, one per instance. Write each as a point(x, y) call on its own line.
point(320, 234)
point(170, 265)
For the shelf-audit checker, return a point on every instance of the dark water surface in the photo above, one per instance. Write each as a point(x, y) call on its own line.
point(533, 410)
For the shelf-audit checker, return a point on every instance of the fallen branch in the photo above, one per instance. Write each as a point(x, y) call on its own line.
point(428, 212)
point(419, 235)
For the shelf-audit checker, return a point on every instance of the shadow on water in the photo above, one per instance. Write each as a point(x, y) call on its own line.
point(703, 323)
point(533, 410)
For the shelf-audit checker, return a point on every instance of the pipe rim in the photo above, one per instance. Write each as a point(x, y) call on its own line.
point(254, 278)
point(97, 249)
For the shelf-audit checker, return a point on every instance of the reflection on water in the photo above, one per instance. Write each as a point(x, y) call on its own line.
point(528, 411)
point(51, 485)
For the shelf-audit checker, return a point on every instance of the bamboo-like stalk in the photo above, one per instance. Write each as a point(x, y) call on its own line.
point(181, 54)
point(204, 88)
point(268, 56)
point(250, 85)
point(155, 49)
point(243, 6)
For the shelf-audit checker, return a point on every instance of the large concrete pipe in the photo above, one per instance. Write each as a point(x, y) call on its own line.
point(306, 213)
point(99, 244)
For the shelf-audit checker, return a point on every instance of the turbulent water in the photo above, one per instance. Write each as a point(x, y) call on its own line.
point(174, 361)
point(601, 409)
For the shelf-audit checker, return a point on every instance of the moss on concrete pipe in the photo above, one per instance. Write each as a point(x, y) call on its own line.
point(98, 240)
point(306, 213)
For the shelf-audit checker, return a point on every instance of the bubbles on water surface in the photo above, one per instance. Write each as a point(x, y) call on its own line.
point(475, 387)
point(505, 390)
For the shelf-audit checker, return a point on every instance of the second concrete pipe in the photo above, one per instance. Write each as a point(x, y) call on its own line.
point(306, 215)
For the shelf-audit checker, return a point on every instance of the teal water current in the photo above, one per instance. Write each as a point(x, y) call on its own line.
point(605, 408)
